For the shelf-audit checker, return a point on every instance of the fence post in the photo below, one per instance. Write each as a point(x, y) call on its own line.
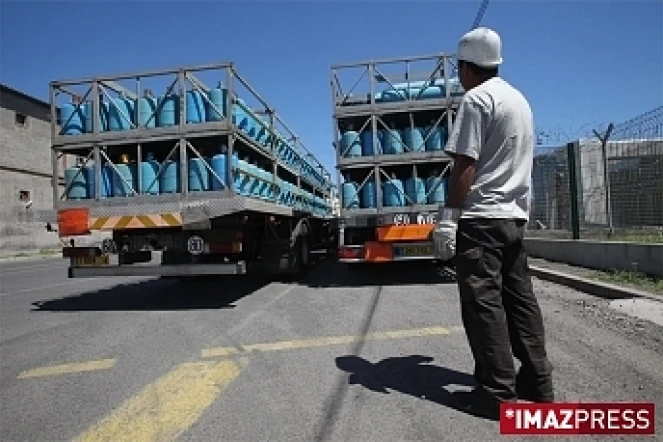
point(606, 175)
point(573, 190)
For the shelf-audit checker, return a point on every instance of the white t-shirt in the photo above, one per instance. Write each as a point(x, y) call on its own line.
point(495, 126)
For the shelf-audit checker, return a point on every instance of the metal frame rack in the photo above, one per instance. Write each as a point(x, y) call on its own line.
point(277, 147)
point(405, 106)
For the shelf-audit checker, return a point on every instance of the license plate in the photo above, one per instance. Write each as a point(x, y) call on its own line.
point(414, 250)
point(403, 219)
point(91, 261)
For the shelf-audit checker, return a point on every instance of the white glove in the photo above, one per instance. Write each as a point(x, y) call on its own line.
point(444, 233)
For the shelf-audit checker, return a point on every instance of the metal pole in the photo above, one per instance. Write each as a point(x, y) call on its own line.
point(573, 188)
point(606, 175)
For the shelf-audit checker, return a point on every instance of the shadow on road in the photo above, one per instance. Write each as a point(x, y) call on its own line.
point(159, 294)
point(333, 274)
point(223, 291)
point(412, 375)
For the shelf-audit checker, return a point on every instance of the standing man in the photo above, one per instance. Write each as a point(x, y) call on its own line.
point(492, 145)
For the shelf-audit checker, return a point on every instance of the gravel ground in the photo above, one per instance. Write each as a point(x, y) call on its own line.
point(600, 312)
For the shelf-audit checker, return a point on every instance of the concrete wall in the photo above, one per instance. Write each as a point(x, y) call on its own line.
point(636, 182)
point(25, 167)
point(600, 255)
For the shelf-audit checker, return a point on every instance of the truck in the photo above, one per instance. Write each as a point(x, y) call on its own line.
point(390, 128)
point(203, 179)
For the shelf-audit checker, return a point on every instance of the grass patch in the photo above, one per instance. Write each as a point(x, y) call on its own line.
point(632, 279)
point(652, 238)
point(50, 252)
point(33, 253)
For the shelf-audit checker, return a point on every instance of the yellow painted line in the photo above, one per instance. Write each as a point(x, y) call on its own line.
point(165, 409)
point(76, 367)
point(326, 341)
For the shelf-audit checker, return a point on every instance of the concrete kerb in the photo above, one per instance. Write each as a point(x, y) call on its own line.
point(596, 288)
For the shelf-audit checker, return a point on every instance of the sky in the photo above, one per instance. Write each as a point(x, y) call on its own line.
point(581, 64)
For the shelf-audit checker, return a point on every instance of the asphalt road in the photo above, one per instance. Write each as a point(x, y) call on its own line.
point(241, 359)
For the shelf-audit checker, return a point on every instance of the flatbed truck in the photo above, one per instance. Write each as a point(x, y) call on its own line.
point(205, 179)
point(390, 127)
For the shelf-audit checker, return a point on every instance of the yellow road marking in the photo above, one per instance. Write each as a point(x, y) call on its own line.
point(76, 367)
point(325, 341)
point(168, 407)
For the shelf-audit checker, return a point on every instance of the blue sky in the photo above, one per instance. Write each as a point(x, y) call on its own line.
point(582, 64)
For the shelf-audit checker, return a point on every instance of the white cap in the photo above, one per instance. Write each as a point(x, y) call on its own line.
point(481, 46)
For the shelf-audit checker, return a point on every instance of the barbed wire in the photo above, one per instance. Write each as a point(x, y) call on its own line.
point(611, 174)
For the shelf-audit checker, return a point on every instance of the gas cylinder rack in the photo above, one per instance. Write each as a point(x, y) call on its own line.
point(201, 177)
point(390, 127)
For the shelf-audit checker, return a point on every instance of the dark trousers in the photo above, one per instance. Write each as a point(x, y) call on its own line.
point(499, 310)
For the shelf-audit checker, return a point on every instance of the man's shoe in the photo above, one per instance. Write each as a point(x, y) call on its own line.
point(478, 404)
point(530, 396)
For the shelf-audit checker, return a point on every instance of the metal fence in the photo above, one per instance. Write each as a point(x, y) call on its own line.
point(605, 187)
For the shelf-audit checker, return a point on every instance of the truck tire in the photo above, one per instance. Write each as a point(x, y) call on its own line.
point(302, 261)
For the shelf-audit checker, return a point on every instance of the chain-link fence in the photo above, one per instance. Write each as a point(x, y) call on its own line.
point(607, 187)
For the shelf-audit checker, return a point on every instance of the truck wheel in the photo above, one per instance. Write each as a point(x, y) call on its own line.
point(302, 261)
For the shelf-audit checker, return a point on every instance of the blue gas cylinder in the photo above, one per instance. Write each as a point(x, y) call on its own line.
point(350, 144)
point(245, 179)
point(121, 114)
point(101, 121)
point(254, 180)
point(284, 192)
point(427, 92)
point(290, 196)
point(414, 139)
point(125, 181)
point(74, 180)
point(170, 177)
point(415, 189)
point(72, 119)
point(219, 166)
point(198, 175)
point(218, 97)
point(195, 107)
point(106, 188)
point(264, 183)
point(437, 138)
point(393, 193)
point(237, 176)
point(350, 195)
point(169, 112)
point(252, 129)
point(148, 173)
point(146, 110)
point(436, 188)
point(369, 195)
point(269, 187)
point(367, 146)
point(240, 117)
point(391, 142)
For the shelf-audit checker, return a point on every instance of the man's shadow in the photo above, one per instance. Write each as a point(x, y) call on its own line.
point(412, 375)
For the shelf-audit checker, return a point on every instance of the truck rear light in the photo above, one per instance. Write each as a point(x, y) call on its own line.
point(350, 252)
